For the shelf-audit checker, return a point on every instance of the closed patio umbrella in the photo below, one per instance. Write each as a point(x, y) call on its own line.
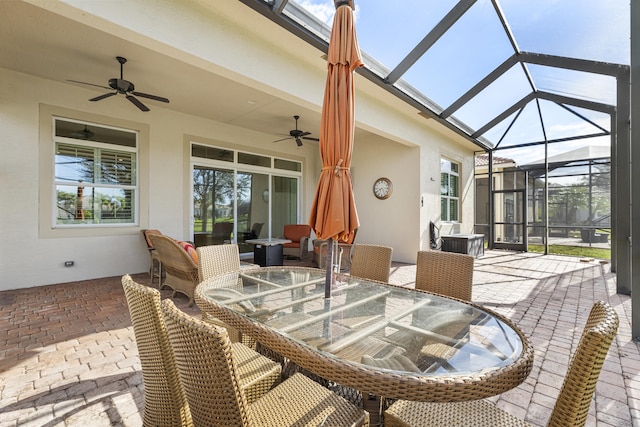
point(333, 212)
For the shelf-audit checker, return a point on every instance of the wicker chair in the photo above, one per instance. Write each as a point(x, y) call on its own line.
point(165, 403)
point(445, 273)
point(321, 249)
point(208, 366)
point(258, 374)
point(572, 405)
point(155, 266)
point(180, 269)
point(371, 262)
point(215, 260)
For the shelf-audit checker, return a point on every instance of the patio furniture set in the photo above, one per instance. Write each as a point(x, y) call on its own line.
point(426, 355)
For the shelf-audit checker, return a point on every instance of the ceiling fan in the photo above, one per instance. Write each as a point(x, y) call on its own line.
point(124, 87)
point(84, 133)
point(298, 134)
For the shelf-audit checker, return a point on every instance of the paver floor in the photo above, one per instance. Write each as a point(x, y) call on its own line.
point(68, 355)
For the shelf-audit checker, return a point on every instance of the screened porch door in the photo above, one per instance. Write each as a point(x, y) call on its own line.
point(509, 220)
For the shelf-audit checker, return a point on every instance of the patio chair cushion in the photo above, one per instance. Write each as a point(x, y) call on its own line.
point(146, 234)
point(295, 233)
point(191, 250)
point(299, 234)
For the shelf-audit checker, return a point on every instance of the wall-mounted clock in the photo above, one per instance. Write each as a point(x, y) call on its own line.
point(382, 188)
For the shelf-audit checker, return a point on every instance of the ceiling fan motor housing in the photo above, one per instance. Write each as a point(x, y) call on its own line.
point(121, 85)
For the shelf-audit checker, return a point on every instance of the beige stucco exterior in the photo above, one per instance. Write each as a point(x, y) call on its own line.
point(399, 144)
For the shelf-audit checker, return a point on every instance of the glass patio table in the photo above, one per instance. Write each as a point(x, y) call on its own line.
point(380, 339)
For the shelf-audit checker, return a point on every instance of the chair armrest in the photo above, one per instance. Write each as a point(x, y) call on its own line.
point(320, 245)
point(304, 247)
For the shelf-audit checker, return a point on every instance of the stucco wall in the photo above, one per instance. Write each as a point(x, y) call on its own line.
point(30, 256)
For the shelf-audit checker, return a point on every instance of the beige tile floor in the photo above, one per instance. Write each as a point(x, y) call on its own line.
point(68, 355)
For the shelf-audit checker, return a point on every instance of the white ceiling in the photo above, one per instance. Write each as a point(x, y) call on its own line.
point(44, 44)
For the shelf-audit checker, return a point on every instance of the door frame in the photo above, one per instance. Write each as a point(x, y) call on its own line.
point(522, 225)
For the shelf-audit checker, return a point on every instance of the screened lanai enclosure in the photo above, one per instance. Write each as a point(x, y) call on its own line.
point(528, 83)
point(548, 208)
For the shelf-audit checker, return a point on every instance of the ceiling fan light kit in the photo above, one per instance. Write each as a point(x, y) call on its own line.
point(124, 87)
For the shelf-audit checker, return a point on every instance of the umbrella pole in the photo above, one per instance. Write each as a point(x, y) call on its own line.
point(329, 273)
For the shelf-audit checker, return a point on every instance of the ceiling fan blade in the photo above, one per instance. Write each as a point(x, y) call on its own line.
point(299, 142)
point(154, 97)
point(90, 84)
point(310, 138)
point(304, 134)
point(137, 103)
point(283, 139)
point(106, 95)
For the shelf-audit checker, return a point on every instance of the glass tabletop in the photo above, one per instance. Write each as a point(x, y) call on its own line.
point(364, 323)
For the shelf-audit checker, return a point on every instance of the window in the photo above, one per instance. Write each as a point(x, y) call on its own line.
point(449, 190)
point(95, 175)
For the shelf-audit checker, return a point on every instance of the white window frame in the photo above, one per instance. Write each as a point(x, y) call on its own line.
point(449, 197)
point(236, 168)
point(45, 172)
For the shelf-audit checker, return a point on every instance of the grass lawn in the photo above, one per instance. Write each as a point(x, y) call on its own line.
point(577, 251)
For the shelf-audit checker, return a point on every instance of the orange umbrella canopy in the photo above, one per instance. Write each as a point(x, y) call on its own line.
point(333, 213)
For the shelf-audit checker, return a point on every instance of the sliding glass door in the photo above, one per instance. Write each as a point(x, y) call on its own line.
point(213, 207)
point(253, 208)
point(284, 204)
point(242, 196)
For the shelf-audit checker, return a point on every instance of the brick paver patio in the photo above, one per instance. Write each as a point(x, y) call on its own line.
point(68, 355)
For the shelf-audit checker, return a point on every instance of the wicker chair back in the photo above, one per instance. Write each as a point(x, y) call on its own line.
point(445, 273)
point(214, 260)
point(165, 403)
point(572, 406)
point(371, 262)
point(180, 269)
point(209, 369)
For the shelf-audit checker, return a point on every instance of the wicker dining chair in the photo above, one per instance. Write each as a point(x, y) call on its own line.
point(258, 374)
point(445, 273)
point(572, 405)
point(208, 366)
point(165, 403)
point(214, 260)
point(371, 262)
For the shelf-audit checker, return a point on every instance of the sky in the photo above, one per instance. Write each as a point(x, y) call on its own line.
point(585, 29)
